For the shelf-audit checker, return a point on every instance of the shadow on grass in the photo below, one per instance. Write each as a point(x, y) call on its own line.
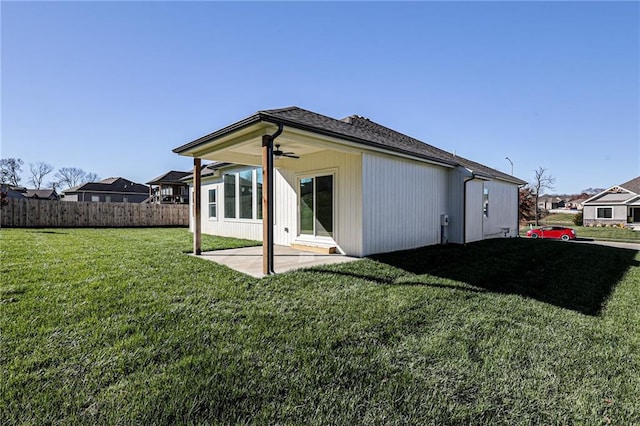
point(579, 277)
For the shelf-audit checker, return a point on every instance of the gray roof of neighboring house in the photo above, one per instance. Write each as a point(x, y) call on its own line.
point(633, 185)
point(41, 193)
point(171, 177)
point(207, 170)
point(355, 129)
point(115, 184)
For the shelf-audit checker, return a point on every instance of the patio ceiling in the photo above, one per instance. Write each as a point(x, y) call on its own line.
point(244, 146)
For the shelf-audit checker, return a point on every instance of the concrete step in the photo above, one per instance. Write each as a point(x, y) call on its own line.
point(315, 248)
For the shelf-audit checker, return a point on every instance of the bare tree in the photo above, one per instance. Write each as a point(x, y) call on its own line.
point(90, 177)
point(542, 180)
point(10, 169)
point(68, 177)
point(38, 172)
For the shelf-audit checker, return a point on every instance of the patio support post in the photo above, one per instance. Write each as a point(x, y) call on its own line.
point(267, 204)
point(197, 220)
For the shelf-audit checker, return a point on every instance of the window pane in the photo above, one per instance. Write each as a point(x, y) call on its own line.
point(212, 203)
point(485, 204)
point(324, 205)
point(246, 194)
point(259, 193)
point(604, 213)
point(306, 206)
point(230, 196)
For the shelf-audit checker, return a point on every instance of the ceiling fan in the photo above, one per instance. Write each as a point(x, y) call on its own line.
point(278, 153)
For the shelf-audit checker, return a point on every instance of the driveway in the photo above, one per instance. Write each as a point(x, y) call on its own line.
point(629, 246)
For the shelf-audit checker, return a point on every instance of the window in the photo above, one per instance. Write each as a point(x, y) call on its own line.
point(243, 194)
point(125, 199)
point(604, 213)
point(259, 193)
point(246, 194)
point(107, 198)
point(213, 204)
point(316, 206)
point(485, 203)
point(230, 196)
point(95, 198)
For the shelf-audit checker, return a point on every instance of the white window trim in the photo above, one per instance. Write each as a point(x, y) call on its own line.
point(217, 203)
point(317, 238)
point(256, 199)
point(605, 218)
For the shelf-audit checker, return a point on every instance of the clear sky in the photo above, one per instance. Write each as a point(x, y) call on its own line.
point(113, 87)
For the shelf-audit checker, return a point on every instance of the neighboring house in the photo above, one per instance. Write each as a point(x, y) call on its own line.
point(357, 187)
point(169, 188)
point(10, 191)
point(619, 204)
point(550, 202)
point(577, 202)
point(42, 194)
point(35, 194)
point(115, 190)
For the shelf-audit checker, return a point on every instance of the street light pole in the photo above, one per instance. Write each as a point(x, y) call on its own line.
point(508, 159)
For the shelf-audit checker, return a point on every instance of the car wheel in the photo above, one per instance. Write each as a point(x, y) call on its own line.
point(565, 237)
point(534, 236)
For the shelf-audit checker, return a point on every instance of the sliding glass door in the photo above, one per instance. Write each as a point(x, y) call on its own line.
point(316, 206)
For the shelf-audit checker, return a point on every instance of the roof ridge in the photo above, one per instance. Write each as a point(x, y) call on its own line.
point(289, 108)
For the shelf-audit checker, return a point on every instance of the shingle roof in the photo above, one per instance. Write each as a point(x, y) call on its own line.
point(117, 184)
point(359, 130)
point(633, 185)
point(172, 176)
point(40, 193)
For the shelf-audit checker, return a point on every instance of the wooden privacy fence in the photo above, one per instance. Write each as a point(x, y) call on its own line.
point(27, 213)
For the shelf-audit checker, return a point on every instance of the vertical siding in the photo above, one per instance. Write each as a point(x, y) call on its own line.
point(238, 228)
point(455, 196)
point(503, 209)
point(475, 217)
point(347, 170)
point(402, 201)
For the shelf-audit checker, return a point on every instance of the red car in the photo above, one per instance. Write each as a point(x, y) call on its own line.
point(565, 234)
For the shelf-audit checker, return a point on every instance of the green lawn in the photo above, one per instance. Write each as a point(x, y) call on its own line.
point(121, 327)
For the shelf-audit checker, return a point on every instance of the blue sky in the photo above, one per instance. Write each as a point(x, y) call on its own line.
point(113, 87)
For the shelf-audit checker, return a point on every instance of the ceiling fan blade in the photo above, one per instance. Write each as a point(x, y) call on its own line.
point(290, 155)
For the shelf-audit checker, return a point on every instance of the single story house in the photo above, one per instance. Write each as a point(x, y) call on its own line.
point(617, 205)
point(111, 190)
point(349, 185)
point(169, 188)
point(550, 202)
point(42, 194)
point(34, 194)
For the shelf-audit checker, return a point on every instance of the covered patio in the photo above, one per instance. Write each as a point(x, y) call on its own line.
point(248, 260)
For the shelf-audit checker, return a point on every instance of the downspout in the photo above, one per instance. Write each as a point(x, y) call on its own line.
point(464, 208)
point(267, 201)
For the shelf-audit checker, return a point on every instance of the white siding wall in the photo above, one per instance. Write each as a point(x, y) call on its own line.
point(402, 201)
point(456, 206)
point(347, 170)
point(475, 217)
point(238, 228)
point(503, 209)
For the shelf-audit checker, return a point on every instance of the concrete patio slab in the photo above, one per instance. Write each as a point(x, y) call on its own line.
point(248, 260)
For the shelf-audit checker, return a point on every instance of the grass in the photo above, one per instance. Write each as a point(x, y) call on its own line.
point(120, 327)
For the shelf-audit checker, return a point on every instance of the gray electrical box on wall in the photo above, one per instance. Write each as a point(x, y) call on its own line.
point(444, 220)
